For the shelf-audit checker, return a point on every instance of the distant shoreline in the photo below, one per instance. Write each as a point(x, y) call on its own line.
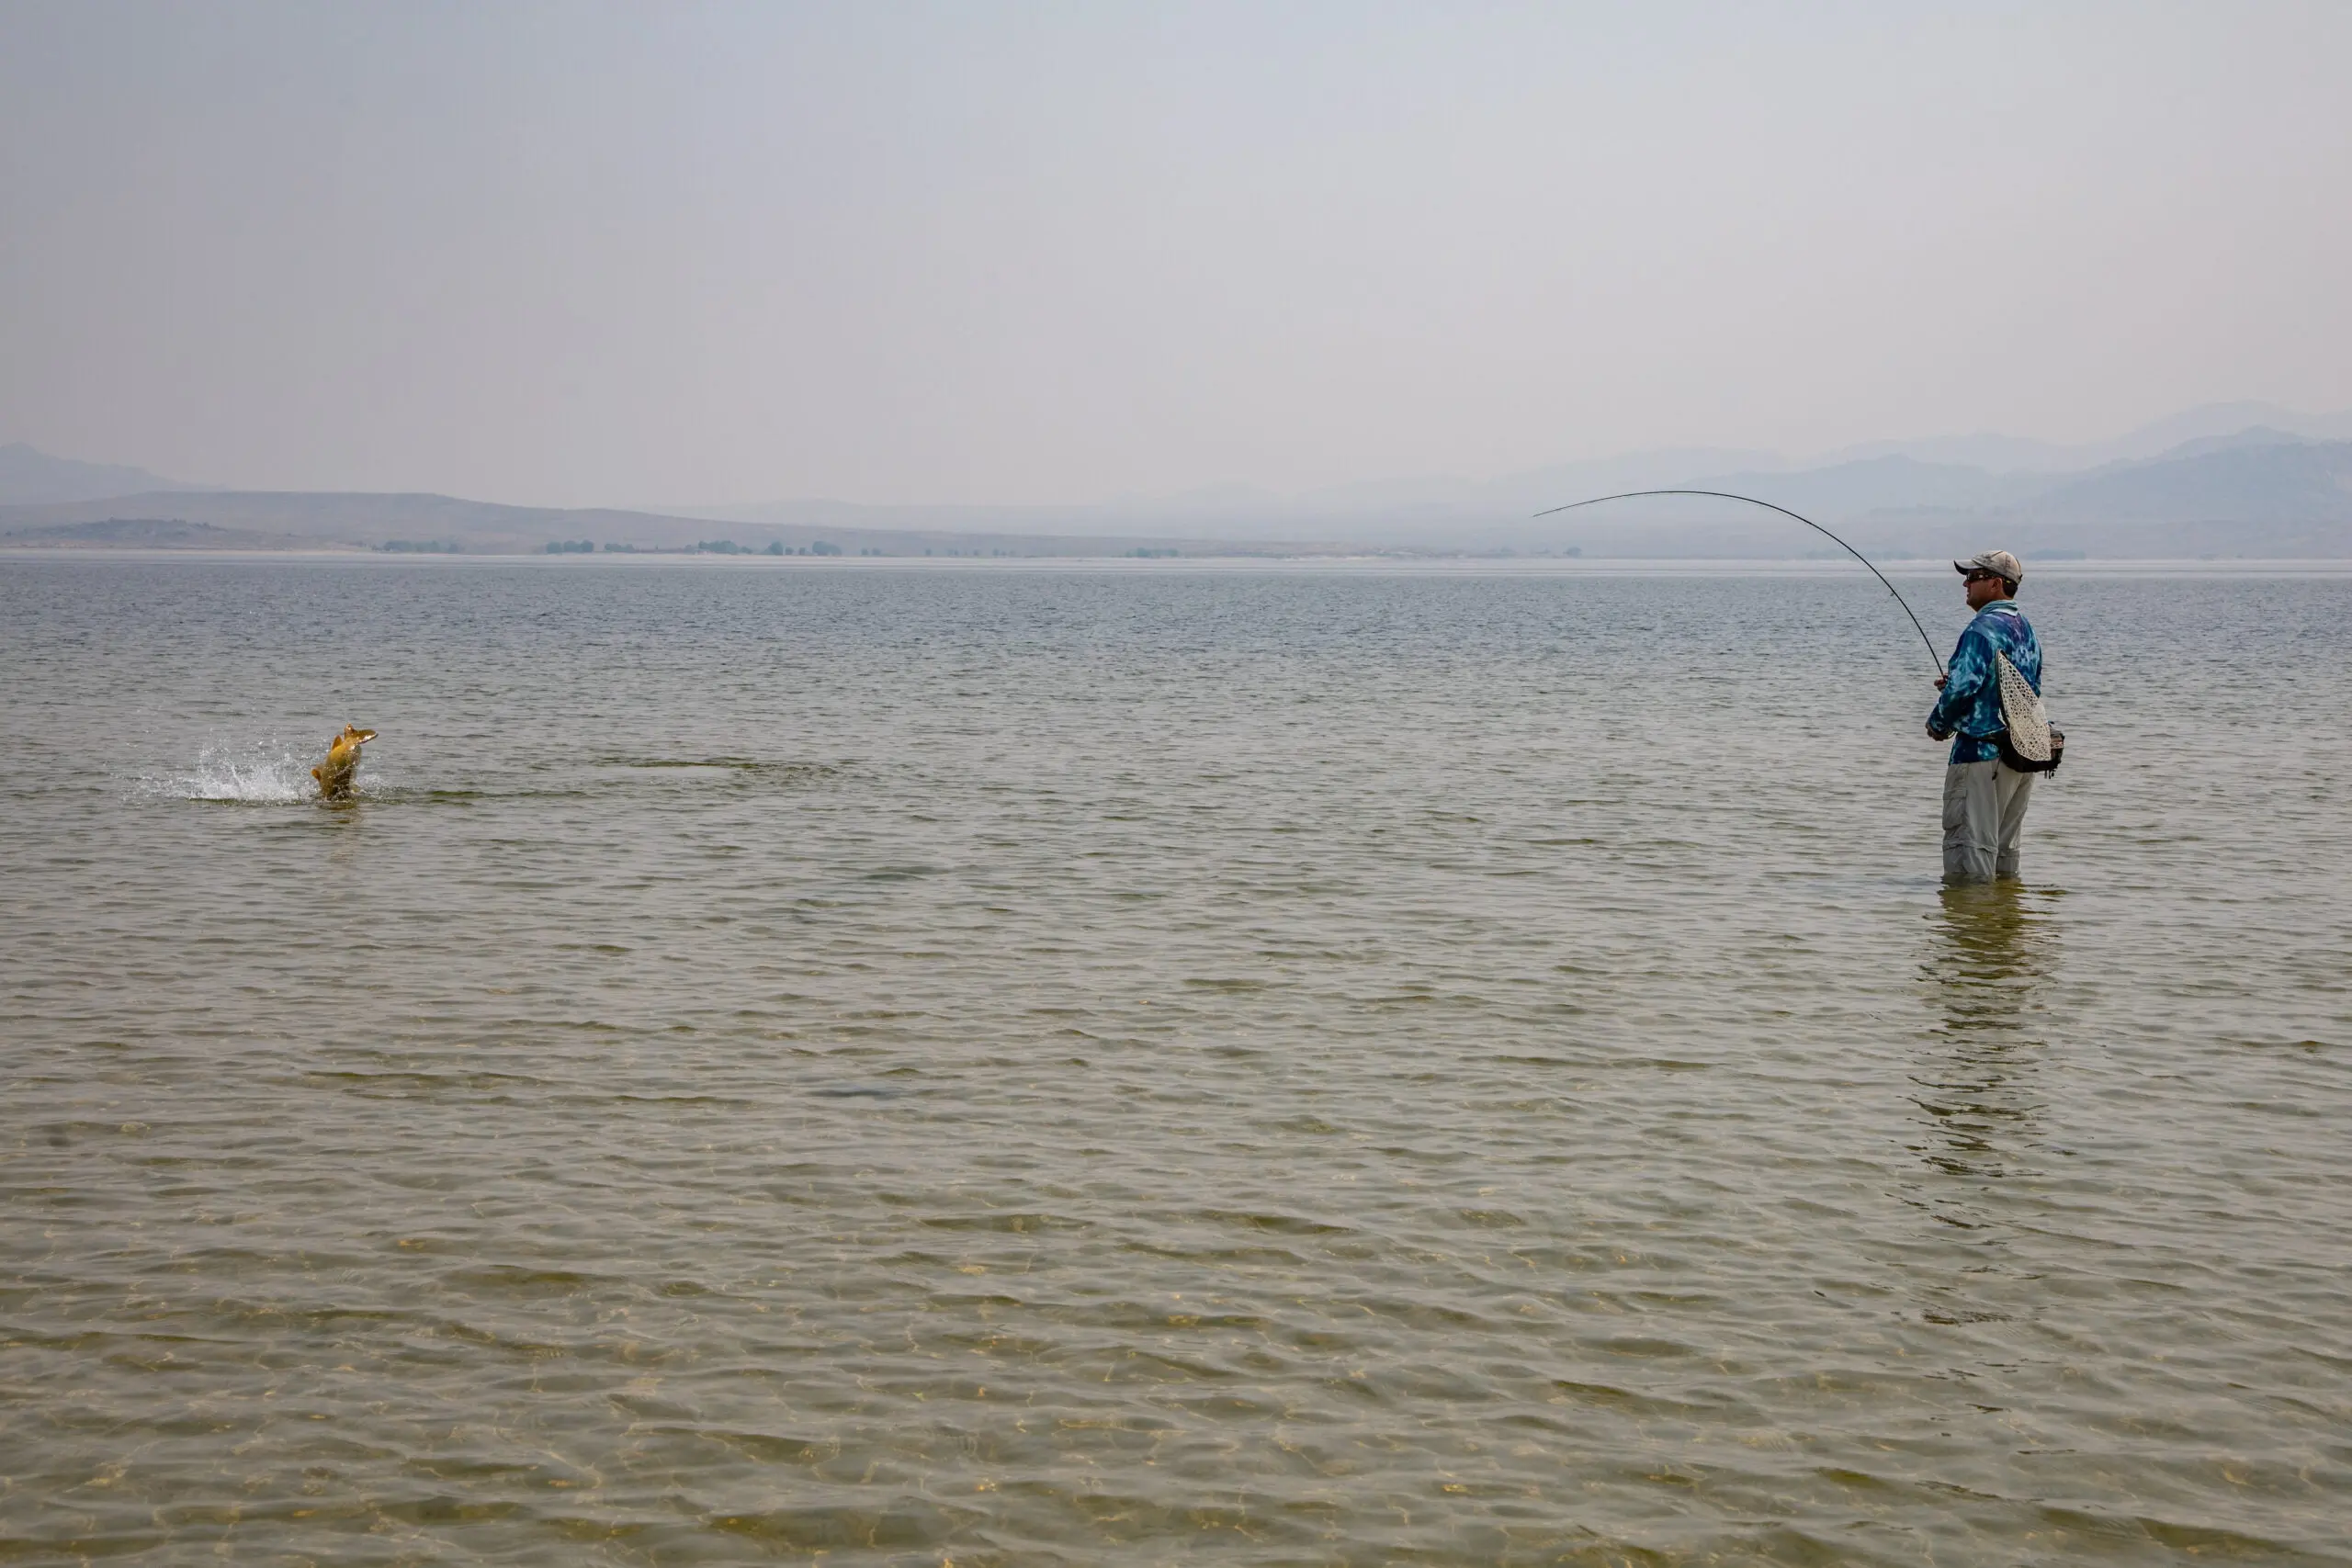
point(1372, 562)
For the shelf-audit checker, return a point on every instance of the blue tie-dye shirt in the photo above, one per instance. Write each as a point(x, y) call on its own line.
point(1969, 706)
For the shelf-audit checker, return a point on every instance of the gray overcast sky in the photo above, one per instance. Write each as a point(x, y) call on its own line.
point(578, 253)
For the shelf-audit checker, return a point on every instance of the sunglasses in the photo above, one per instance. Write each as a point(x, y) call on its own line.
point(1984, 577)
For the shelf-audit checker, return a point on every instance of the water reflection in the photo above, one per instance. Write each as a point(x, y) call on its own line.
point(1976, 1092)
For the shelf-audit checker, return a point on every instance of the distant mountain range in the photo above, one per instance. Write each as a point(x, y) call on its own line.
point(2010, 454)
point(2229, 480)
point(29, 476)
point(2204, 482)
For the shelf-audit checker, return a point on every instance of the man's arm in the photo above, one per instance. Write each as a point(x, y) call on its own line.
point(1971, 667)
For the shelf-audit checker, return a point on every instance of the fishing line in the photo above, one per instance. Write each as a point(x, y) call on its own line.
point(1726, 495)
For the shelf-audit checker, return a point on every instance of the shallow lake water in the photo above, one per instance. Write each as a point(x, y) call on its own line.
point(1086, 1066)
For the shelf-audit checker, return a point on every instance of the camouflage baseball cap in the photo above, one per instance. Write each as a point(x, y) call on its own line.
point(1999, 561)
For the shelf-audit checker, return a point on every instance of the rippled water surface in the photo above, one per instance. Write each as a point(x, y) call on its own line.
point(1161, 1065)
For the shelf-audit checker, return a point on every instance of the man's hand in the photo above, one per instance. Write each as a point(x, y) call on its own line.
point(1935, 734)
point(1939, 681)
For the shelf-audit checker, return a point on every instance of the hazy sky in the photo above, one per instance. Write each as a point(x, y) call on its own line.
point(652, 253)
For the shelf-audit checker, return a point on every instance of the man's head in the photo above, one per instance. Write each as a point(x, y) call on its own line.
point(1992, 575)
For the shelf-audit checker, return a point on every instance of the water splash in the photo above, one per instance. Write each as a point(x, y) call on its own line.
point(263, 773)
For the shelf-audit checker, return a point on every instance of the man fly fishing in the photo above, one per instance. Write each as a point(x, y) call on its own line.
point(1990, 777)
point(1991, 707)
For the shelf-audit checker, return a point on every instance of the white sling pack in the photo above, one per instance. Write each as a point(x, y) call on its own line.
point(2029, 743)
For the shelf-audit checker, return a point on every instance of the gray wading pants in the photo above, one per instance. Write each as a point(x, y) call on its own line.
point(1983, 817)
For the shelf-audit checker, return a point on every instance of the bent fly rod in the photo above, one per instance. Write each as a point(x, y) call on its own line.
point(1726, 495)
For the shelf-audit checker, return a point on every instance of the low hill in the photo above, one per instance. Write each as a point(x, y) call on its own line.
point(303, 520)
point(161, 534)
point(31, 477)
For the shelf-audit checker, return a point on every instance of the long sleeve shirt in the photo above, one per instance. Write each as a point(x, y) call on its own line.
point(1970, 706)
